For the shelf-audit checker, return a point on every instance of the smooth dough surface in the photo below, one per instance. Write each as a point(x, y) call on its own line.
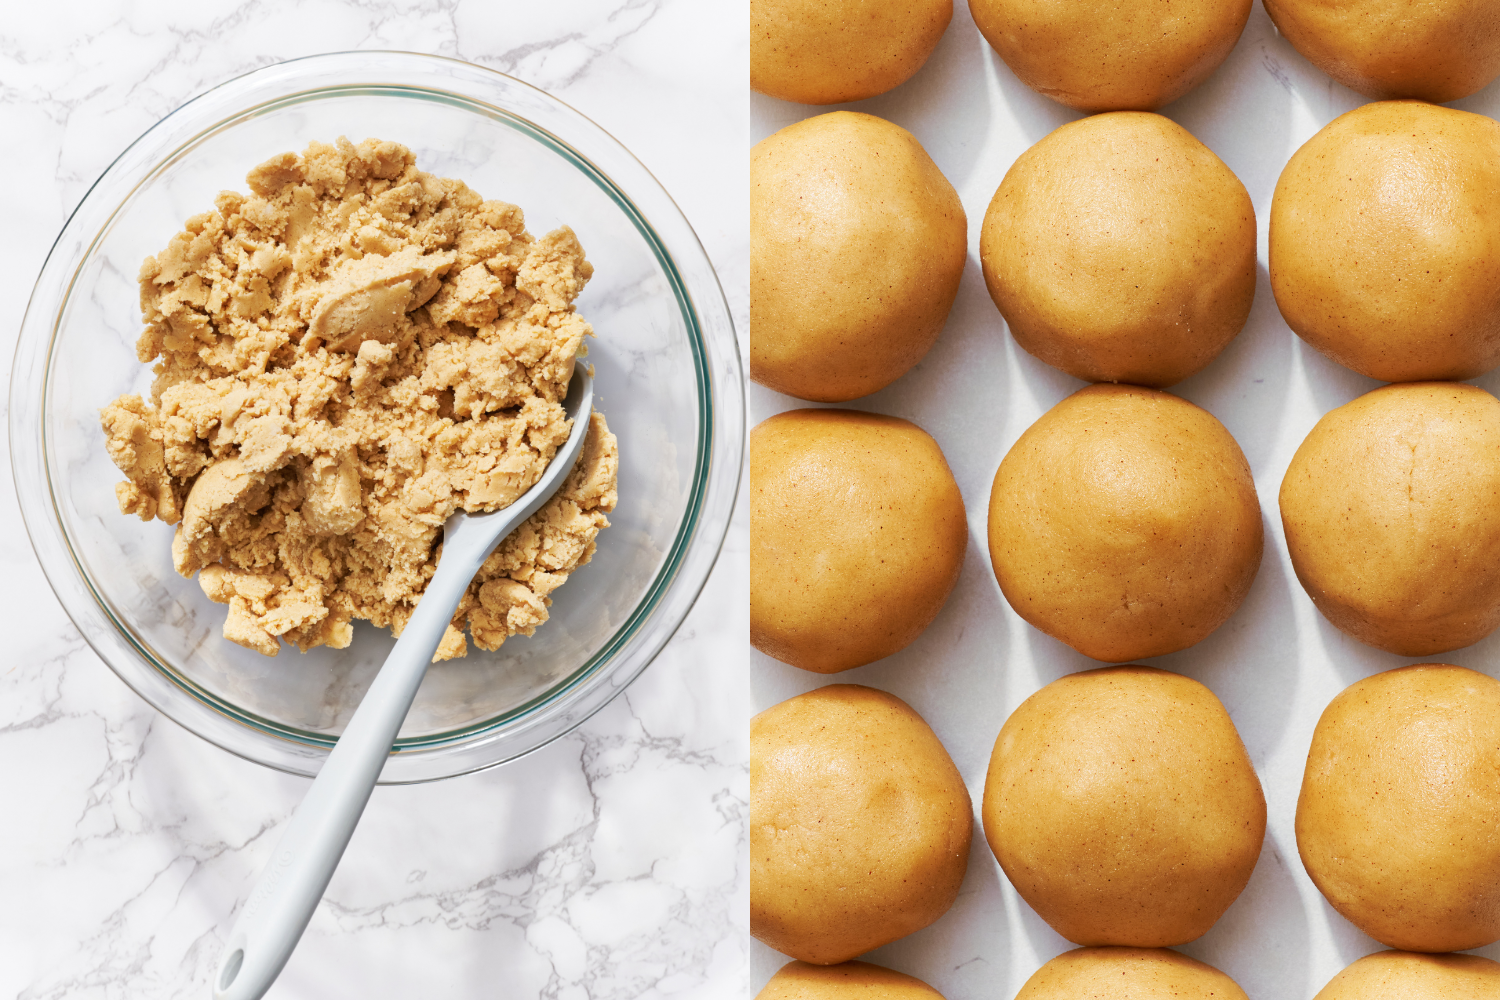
point(846, 981)
point(1401, 975)
point(1397, 819)
point(1128, 974)
point(1123, 807)
point(857, 245)
point(1121, 249)
point(1124, 523)
point(1391, 510)
point(1097, 56)
point(829, 51)
point(1384, 242)
point(344, 357)
point(859, 824)
point(1384, 49)
point(857, 536)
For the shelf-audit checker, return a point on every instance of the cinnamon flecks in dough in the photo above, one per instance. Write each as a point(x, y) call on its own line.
point(343, 358)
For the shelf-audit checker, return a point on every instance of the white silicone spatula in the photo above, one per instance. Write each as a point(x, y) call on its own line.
point(289, 889)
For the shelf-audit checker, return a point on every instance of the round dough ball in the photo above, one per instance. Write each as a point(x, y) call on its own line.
point(857, 535)
point(1385, 245)
point(1121, 249)
point(1435, 52)
point(1400, 975)
point(1124, 523)
point(1396, 822)
point(1128, 974)
point(1389, 508)
point(1123, 807)
point(857, 243)
point(830, 51)
point(859, 824)
point(848, 981)
point(1132, 56)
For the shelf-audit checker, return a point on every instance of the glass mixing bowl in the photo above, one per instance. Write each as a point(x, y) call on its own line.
point(667, 378)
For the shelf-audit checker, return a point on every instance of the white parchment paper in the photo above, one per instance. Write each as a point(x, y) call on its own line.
point(1275, 664)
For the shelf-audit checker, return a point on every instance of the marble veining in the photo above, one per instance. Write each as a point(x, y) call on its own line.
point(609, 864)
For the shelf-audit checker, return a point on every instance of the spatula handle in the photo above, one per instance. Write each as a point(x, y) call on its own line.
point(289, 888)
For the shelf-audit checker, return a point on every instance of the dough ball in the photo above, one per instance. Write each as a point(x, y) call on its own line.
point(848, 981)
point(1128, 974)
point(859, 824)
point(1437, 51)
point(1132, 56)
point(1400, 975)
point(1123, 807)
point(857, 535)
point(1396, 820)
point(1390, 516)
point(1385, 245)
point(857, 242)
point(1124, 523)
point(830, 51)
point(1121, 249)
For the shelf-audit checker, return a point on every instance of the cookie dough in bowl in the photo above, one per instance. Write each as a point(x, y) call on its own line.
point(666, 375)
point(343, 359)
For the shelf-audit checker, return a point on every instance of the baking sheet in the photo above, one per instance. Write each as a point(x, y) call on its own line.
point(1275, 664)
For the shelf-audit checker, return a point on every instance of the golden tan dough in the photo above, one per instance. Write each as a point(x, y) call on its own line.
point(344, 357)
point(1124, 523)
point(829, 51)
point(846, 981)
point(1130, 56)
point(1435, 52)
point(1128, 974)
point(857, 244)
point(1401, 975)
point(1390, 515)
point(859, 824)
point(1397, 820)
point(1384, 244)
point(1121, 249)
point(1123, 807)
point(857, 536)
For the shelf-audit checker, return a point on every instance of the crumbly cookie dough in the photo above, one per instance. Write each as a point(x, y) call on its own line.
point(343, 359)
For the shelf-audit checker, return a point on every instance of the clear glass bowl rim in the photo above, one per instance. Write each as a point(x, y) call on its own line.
point(705, 312)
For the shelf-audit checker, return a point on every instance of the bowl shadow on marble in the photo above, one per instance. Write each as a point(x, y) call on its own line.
point(228, 815)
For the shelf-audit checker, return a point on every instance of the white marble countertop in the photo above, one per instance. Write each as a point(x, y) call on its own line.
point(611, 863)
point(1275, 664)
